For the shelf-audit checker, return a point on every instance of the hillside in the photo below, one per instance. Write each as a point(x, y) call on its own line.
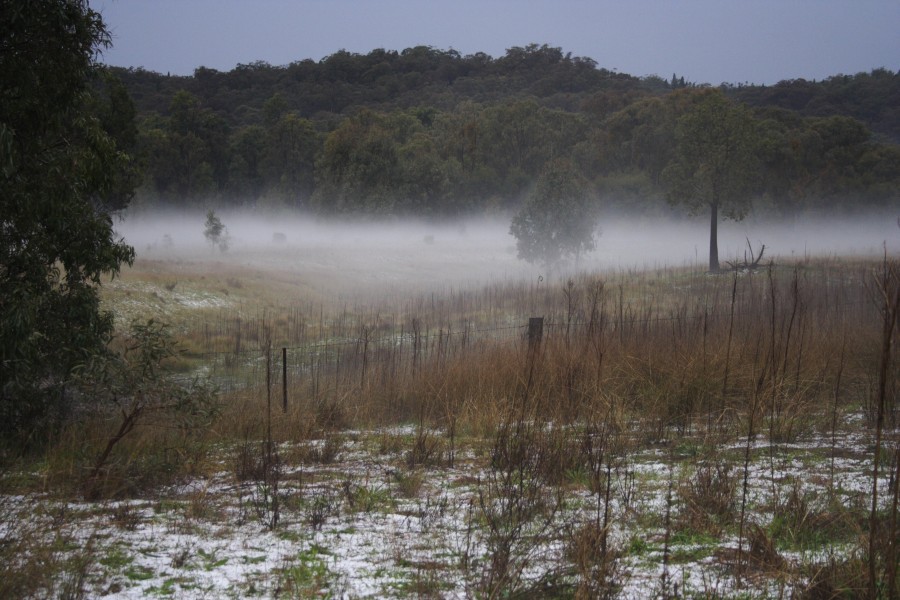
point(432, 133)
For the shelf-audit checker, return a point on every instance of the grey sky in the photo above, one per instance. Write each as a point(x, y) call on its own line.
point(706, 41)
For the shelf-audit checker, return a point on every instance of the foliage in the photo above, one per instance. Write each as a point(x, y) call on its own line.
point(867, 97)
point(188, 155)
point(714, 163)
point(116, 113)
point(430, 132)
point(558, 219)
point(215, 232)
point(288, 159)
point(60, 173)
point(359, 165)
point(134, 383)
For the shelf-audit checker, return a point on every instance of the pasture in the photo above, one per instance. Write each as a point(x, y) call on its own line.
point(387, 427)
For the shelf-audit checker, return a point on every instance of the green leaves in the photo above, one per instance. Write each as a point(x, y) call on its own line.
point(557, 221)
point(135, 377)
point(7, 156)
point(215, 232)
point(715, 162)
point(60, 170)
point(134, 385)
point(715, 157)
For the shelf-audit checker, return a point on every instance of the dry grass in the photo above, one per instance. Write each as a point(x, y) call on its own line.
point(671, 359)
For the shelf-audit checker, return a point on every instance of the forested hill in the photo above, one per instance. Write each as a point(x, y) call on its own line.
point(429, 131)
point(873, 98)
point(386, 80)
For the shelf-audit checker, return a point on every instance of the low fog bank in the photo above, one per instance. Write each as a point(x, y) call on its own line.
point(472, 251)
point(633, 243)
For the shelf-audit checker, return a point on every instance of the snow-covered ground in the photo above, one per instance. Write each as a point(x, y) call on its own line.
point(367, 524)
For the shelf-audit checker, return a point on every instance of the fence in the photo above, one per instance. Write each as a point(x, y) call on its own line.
point(378, 357)
point(371, 357)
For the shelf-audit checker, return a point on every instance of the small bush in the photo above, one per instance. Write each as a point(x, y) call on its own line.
point(133, 390)
point(762, 552)
point(708, 498)
point(409, 484)
point(595, 562)
point(838, 577)
point(426, 450)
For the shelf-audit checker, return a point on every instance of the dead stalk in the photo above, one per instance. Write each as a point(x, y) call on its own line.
point(888, 286)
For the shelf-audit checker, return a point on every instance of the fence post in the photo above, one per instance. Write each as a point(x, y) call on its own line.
point(535, 332)
point(269, 396)
point(284, 379)
point(362, 379)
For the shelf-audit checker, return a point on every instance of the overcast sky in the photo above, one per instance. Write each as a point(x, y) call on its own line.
point(706, 41)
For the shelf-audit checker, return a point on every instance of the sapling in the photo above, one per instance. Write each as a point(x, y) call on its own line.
point(888, 287)
point(664, 578)
point(134, 381)
point(215, 232)
point(834, 407)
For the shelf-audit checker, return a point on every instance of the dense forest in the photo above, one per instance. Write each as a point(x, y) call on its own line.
point(432, 132)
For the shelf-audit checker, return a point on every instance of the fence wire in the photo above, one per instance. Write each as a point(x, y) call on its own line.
point(371, 353)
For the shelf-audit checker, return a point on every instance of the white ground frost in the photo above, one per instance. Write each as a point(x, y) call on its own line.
point(346, 529)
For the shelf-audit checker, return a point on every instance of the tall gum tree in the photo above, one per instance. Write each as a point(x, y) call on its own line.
point(60, 175)
point(714, 164)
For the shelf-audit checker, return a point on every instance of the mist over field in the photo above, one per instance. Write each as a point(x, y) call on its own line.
point(410, 254)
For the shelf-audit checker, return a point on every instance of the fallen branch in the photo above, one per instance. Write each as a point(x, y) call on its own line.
point(748, 265)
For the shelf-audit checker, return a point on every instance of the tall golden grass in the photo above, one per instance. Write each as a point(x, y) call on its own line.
point(672, 349)
point(642, 357)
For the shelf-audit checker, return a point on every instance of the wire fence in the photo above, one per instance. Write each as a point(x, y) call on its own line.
point(356, 352)
point(331, 363)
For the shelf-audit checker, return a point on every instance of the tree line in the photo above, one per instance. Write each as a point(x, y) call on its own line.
point(430, 132)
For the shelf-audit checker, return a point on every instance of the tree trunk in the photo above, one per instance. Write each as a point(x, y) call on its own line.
point(714, 237)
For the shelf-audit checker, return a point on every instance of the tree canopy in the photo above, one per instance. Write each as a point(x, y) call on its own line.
point(433, 133)
point(60, 175)
point(558, 221)
point(715, 163)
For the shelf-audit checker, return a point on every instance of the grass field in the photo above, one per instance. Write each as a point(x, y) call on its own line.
point(671, 433)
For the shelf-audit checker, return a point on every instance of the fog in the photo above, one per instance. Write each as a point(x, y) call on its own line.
point(418, 255)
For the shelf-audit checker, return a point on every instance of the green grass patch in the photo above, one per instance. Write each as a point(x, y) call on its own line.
point(367, 499)
point(166, 589)
point(139, 573)
point(688, 537)
point(690, 554)
point(640, 546)
point(308, 575)
point(210, 561)
point(116, 559)
point(253, 560)
point(288, 536)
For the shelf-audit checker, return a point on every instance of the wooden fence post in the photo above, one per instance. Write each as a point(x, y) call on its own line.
point(535, 332)
point(284, 379)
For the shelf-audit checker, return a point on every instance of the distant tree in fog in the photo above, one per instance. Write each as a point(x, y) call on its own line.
point(714, 163)
point(215, 232)
point(557, 221)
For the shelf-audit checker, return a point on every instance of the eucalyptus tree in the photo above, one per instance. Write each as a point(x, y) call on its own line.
point(60, 174)
point(288, 165)
point(714, 164)
point(359, 167)
point(558, 220)
point(187, 154)
point(248, 150)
